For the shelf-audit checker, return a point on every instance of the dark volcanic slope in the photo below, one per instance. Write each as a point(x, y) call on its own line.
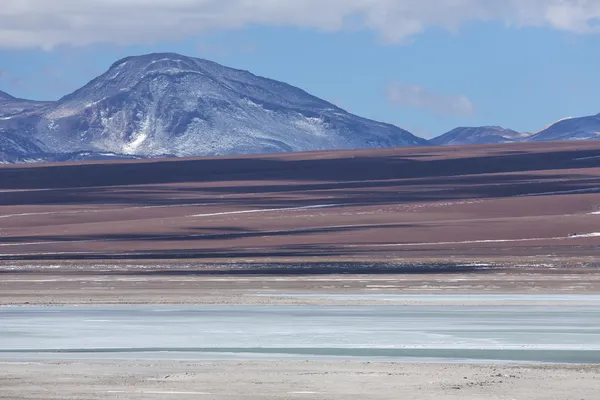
point(477, 202)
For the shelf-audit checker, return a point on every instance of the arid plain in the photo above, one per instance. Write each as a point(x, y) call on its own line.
point(499, 219)
point(524, 201)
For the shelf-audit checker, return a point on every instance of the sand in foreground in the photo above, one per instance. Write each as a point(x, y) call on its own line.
point(162, 379)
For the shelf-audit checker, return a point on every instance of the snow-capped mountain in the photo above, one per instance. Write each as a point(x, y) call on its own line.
point(582, 128)
point(478, 135)
point(161, 104)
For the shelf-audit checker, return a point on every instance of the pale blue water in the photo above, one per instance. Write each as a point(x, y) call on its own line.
point(544, 333)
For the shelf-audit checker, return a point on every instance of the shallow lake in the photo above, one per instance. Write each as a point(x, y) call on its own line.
point(553, 331)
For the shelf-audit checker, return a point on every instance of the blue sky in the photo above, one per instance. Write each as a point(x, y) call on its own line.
point(521, 65)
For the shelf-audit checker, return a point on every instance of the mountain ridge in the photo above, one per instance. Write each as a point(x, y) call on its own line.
point(477, 135)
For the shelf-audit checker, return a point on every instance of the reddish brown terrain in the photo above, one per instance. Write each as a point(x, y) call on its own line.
point(527, 202)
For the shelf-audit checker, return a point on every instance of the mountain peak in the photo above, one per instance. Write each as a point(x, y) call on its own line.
point(159, 61)
point(209, 78)
point(174, 64)
point(149, 57)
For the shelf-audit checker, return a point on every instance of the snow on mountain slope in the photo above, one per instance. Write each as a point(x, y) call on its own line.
point(9, 109)
point(10, 105)
point(478, 135)
point(161, 104)
point(14, 148)
point(582, 128)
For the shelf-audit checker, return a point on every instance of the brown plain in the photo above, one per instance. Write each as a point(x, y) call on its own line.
point(499, 203)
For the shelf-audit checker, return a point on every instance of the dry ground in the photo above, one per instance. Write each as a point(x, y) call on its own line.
point(521, 202)
point(255, 285)
point(292, 380)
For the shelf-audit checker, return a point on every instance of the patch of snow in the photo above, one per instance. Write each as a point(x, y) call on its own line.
point(138, 139)
point(163, 59)
point(586, 235)
point(478, 241)
point(587, 158)
point(575, 191)
point(266, 210)
point(93, 103)
point(554, 123)
point(66, 112)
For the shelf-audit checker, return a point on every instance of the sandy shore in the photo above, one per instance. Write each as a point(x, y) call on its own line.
point(151, 379)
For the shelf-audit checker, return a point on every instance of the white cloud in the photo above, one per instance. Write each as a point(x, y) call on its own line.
point(418, 97)
point(47, 23)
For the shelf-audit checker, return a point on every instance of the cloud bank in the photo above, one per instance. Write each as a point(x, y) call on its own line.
point(420, 98)
point(47, 23)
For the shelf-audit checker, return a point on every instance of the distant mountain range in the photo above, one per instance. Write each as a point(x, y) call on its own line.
point(161, 105)
point(478, 135)
point(584, 128)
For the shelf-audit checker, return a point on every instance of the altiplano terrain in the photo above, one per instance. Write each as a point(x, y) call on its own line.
point(309, 216)
point(479, 230)
point(536, 202)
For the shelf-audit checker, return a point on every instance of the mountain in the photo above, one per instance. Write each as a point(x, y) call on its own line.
point(10, 105)
point(582, 128)
point(478, 135)
point(14, 148)
point(5, 96)
point(161, 104)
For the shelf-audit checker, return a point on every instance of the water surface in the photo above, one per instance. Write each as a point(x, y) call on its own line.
point(545, 332)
